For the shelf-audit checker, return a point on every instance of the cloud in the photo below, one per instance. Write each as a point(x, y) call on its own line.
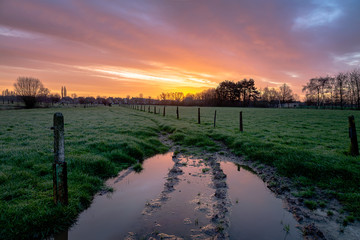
point(174, 44)
point(9, 32)
point(322, 14)
point(351, 59)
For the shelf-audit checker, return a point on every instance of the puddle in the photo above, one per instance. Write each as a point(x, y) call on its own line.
point(185, 198)
point(187, 207)
point(255, 212)
point(110, 216)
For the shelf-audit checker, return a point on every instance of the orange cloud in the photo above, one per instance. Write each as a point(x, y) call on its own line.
point(133, 47)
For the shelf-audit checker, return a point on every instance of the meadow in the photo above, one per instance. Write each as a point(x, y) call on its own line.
point(309, 146)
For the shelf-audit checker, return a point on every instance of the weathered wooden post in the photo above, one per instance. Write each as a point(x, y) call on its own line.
point(59, 166)
point(215, 119)
point(149, 108)
point(198, 115)
point(154, 109)
point(241, 122)
point(177, 112)
point(354, 147)
point(164, 112)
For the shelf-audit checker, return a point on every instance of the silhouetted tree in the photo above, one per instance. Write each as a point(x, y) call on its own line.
point(286, 94)
point(339, 88)
point(270, 96)
point(354, 78)
point(28, 89)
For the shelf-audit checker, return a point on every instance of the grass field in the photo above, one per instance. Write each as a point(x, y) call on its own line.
point(309, 146)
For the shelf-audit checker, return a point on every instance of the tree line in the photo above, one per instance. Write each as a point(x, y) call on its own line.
point(339, 91)
point(32, 92)
point(228, 93)
point(242, 93)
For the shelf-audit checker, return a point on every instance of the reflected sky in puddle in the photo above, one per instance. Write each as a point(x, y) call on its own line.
point(110, 216)
point(256, 213)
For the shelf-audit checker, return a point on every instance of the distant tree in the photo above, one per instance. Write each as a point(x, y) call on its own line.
point(251, 93)
point(340, 81)
point(8, 95)
point(28, 89)
point(226, 91)
point(163, 96)
point(178, 96)
point(82, 100)
point(286, 94)
point(354, 78)
point(270, 96)
point(54, 98)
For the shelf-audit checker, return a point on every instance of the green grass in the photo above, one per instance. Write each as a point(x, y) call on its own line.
point(99, 142)
point(309, 146)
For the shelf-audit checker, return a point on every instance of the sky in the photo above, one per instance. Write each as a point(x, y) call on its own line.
point(119, 48)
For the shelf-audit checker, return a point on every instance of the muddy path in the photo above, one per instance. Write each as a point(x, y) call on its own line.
point(207, 196)
point(195, 204)
point(314, 224)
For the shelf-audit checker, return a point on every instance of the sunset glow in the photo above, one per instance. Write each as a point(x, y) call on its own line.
point(120, 48)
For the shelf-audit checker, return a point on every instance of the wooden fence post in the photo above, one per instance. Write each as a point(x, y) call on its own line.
point(60, 187)
point(149, 109)
point(164, 112)
point(215, 119)
point(177, 112)
point(198, 115)
point(241, 122)
point(154, 110)
point(354, 147)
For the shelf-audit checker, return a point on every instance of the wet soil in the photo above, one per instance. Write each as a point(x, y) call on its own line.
point(210, 196)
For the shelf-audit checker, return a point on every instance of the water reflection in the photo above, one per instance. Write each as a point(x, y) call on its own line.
point(110, 216)
point(256, 213)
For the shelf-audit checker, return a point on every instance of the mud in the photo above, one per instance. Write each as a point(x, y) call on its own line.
point(193, 202)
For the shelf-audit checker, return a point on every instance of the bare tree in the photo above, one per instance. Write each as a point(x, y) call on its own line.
point(270, 96)
point(340, 85)
point(178, 96)
point(163, 96)
point(29, 89)
point(354, 78)
point(286, 94)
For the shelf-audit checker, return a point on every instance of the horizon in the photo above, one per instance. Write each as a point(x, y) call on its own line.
point(140, 47)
